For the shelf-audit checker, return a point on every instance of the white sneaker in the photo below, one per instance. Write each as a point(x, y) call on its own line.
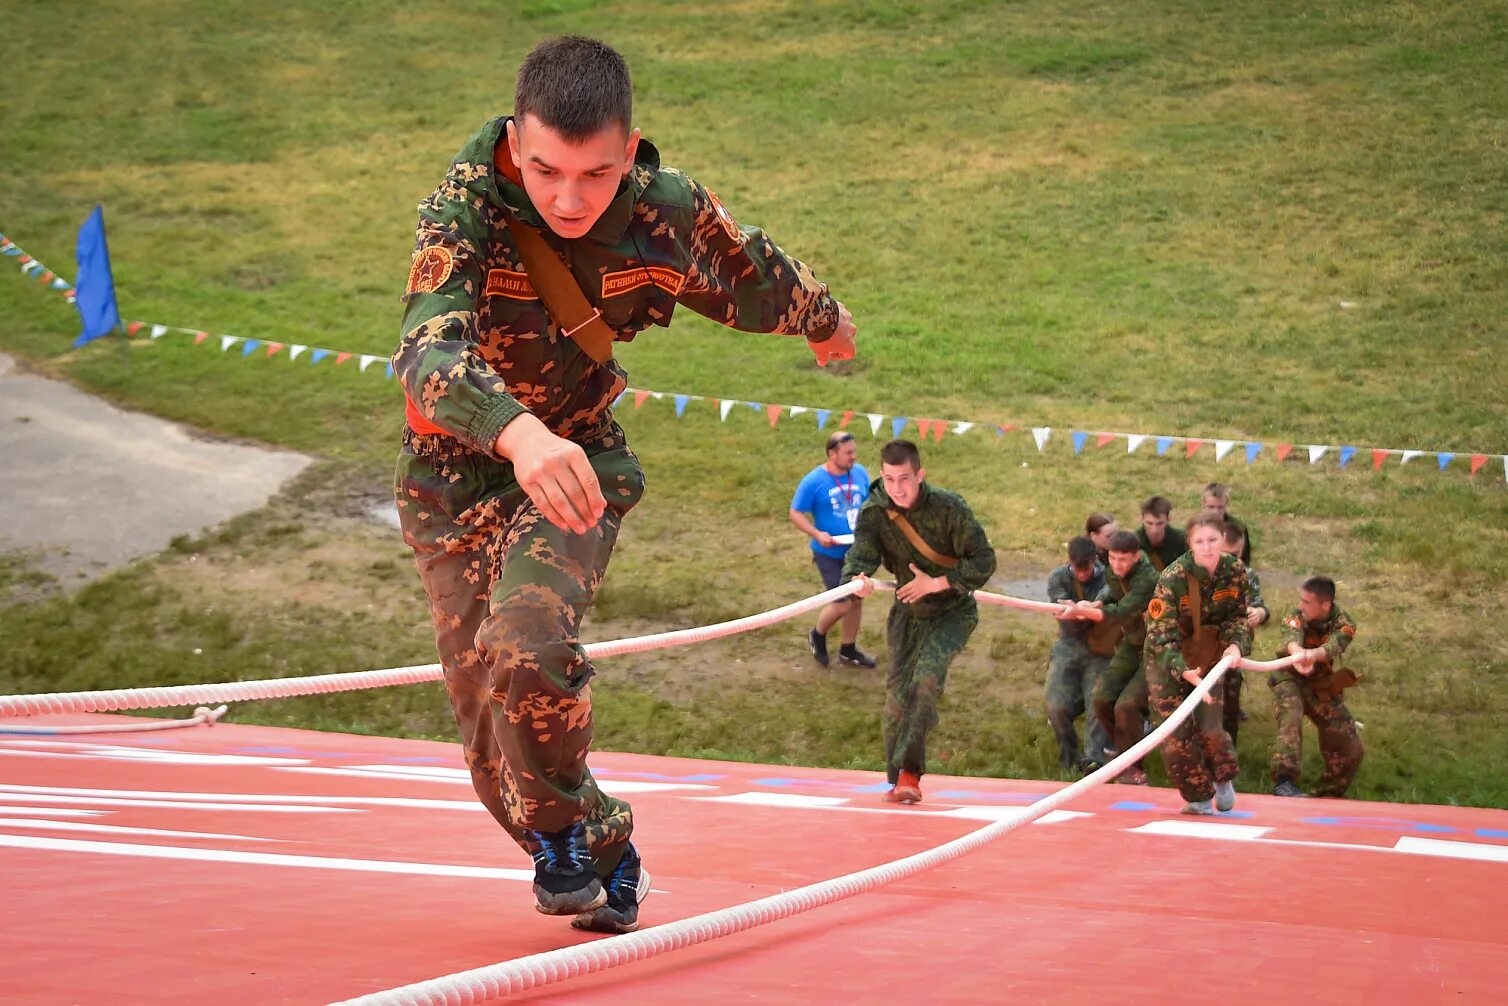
point(1225, 796)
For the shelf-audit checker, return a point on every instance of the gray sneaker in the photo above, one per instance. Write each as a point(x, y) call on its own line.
point(1285, 787)
point(1198, 807)
point(1225, 796)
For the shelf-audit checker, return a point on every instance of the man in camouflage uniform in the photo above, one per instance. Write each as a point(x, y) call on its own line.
point(928, 538)
point(514, 478)
point(1120, 698)
point(1197, 615)
point(1256, 616)
point(1162, 543)
point(1319, 631)
point(1217, 498)
point(1074, 665)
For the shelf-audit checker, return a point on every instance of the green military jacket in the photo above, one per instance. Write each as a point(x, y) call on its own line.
point(1333, 634)
point(1063, 586)
point(1222, 600)
point(1246, 542)
point(1255, 583)
point(1125, 599)
point(478, 347)
point(945, 523)
point(1174, 544)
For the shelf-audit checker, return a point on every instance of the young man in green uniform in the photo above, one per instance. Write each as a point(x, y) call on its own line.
point(1077, 660)
point(929, 540)
point(1120, 697)
point(1162, 543)
point(1319, 631)
point(1217, 498)
point(1256, 616)
point(1197, 615)
point(555, 233)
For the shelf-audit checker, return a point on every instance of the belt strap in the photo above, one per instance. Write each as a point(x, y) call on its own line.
point(561, 293)
point(900, 521)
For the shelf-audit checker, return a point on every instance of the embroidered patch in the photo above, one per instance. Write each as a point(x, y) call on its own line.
point(513, 285)
point(1157, 608)
point(1292, 623)
point(1226, 594)
point(430, 270)
point(615, 284)
point(724, 217)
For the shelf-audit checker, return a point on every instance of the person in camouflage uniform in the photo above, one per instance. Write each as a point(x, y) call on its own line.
point(1319, 631)
point(1120, 698)
point(1256, 616)
point(1217, 498)
point(1077, 660)
point(1196, 616)
point(928, 538)
point(514, 478)
point(1162, 543)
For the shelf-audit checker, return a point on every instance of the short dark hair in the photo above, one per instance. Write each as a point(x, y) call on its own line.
point(1321, 587)
point(576, 86)
point(1235, 534)
point(838, 439)
point(1219, 490)
point(1095, 521)
point(1206, 518)
point(1125, 541)
point(1081, 552)
point(901, 452)
point(1157, 506)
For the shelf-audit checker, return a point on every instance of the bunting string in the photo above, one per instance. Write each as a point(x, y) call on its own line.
point(937, 429)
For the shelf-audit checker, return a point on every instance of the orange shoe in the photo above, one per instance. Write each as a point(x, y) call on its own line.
point(908, 789)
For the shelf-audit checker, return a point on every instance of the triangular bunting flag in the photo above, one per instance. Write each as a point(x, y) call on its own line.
point(1283, 450)
point(295, 351)
point(1040, 435)
point(1222, 448)
point(1477, 461)
point(1163, 443)
point(47, 276)
point(657, 395)
point(248, 346)
point(1191, 445)
point(1346, 454)
point(961, 428)
point(938, 426)
point(999, 431)
point(1444, 458)
point(923, 426)
point(680, 405)
point(796, 410)
point(1409, 456)
point(1133, 441)
point(388, 371)
point(723, 408)
point(1079, 436)
point(200, 337)
point(158, 331)
point(318, 354)
point(618, 399)
point(640, 397)
point(273, 348)
point(1252, 450)
point(773, 411)
point(1378, 457)
point(60, 284)
point(227, 341)
point(756, 406)
point(847, 418)
point(133, 327)
point(822, 415)
point(1316, 451)
point(366, 361)
point(1103, 439)
point(874, 422)
point(341, 358)
point(897, 425)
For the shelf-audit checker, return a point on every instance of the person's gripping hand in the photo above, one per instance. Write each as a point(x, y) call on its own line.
point(554, 472)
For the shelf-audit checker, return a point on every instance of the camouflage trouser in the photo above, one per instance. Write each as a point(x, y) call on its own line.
point(1232, 716)
point(1199, 753)
point(507, 590)
point(1072, 674)
point(1120, 699)
point(920, 651)
point(1340, 745)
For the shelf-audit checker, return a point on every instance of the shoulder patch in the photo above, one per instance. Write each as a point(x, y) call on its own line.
point(1292, 622)
point(510, 284)
point(616, 284)
point(1156, 608)
point(431, 268)
point(724, 217)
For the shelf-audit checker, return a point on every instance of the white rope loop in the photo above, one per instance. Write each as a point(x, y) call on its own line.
point(205, 715)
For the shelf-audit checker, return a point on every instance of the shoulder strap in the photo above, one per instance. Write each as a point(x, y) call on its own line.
point(561, 293)
point(1078, 588)
point(1195, 602)
point(900, 521)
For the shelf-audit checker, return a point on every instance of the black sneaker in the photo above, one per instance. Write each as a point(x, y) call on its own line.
point(850, 654)
point(818, 642)
point(627, 887)
point(564, 882)
point(1285, 787)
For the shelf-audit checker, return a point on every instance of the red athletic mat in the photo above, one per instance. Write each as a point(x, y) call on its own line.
point(251, 865)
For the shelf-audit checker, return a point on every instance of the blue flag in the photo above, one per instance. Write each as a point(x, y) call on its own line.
point(94, 292)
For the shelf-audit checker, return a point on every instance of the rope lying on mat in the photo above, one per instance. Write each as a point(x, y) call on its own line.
point(203, 714)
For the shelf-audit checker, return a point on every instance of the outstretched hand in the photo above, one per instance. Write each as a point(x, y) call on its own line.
point(840, 345)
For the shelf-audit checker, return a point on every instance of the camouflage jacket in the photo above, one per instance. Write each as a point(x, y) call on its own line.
point(478, 347)
point(1246, 531)
point(1174, 544)
point(945, 523)
point(1062, 585)
point(1125, 599)
point(1222, 601)
point(1333, 634)
point(1254, 600)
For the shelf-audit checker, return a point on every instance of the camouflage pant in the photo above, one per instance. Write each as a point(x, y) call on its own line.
point(1120, 699)
point(1340, 745)
point(1232, 716)
point(1073, 672)
point(507, 590)
point(920, 651)
point(1199, 753)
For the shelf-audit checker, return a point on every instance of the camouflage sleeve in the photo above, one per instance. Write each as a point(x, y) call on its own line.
point(739, 277)
point(1138, 594)
point(1234, 629)
point(1255, 582)
point(976, 559)
point(436, 360)
point(1060, 585)
point(1336, 642)
point(1163, 632)
point(864, 554)
point(1292, 631)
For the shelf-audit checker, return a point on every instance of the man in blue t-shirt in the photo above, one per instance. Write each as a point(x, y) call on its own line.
point(832, 494)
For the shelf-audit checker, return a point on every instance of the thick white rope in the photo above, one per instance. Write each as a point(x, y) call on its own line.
point(203, 714)
point(499, 980)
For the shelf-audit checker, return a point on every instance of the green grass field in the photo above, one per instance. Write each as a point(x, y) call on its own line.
point(1143, 216)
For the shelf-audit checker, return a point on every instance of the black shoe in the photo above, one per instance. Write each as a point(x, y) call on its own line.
point(1086, 765)
point(850, 654)
point(627, 887)
point(1285, 787)
point(818, 642)
point(564, 882)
